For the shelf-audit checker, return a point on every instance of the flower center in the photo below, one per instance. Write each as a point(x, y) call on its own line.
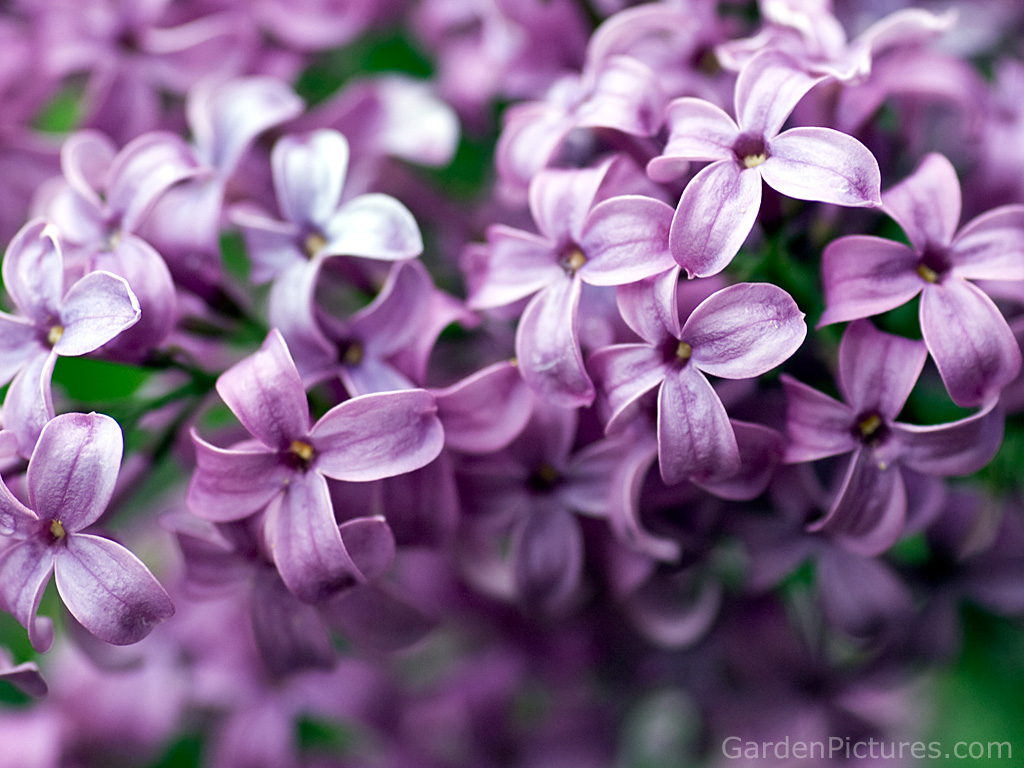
point(313, 244)
point(57, 530)
point(934, 263)
point(572, 259)
point(352, 353)
point(870, 428)
point(750, 150)
point(299, 455)
point(544, 478)
point(55, 334)
point(683, 351)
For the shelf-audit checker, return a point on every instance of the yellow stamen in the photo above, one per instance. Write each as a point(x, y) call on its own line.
point(353, 354)
point(55, 334)
point(869, 425)
point(303, 450)
point(314, 243)
point(57, 530)
point(752, 161)
point(547, 474)
point(683, 351)
point(574, 260)
point(928, 273)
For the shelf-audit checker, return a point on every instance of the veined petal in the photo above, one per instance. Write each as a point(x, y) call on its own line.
point(548, 347)
point(379, 435)
point(560, 200)
point(625, 239)
point(373, 226)
point(29, 402)
point(866, 276)
point(398, 313)
point(958, 448)
point(877, 370)
point(33, 272)
point(927, 203)
point(230, 484)
point(265, 392)
point(825, 165)
point(517, 264)
point(769, 87)
point(991, 247)
point(19, 341)
point(95, 310)
point(699, 130)
point(970, 341)
point(817, 425)
point(16, 519)
point(715, 214)
point(744, 330)
point(625, 372)
point(371, 375)
point(309, 173)
point(695, 438)
point(108, 589)
point(25, 569)
point(485, 411)
point(292, 310)
point(649, 307)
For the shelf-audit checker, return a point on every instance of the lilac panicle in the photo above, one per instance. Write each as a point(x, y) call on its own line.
point(971, 342)
point(720, 204)
point(106, 588)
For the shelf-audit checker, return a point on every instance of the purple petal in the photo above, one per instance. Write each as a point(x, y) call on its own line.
point(95, 310)
point(716, 213)
point(29, 402)
point(624, 373)
point(33, 272)
point(16, 519)
point(744, 330)
point(85, 159)
point(309, 173)
point(289, 635)
point(548, 547)
point(695, 437)
point(377, 620)
point(991, 247)
point(958, 448)
point(74, 468)
point(230, 484)
point(927, 203)
point(649, 307)
point(624, 505)
point(397, 313)
point(675, 610)
point(861, 596)
point(108, 590)
point(265, 392)
point(19, 341)
point(625, 96)
point(373, 375)
point(625, 239)
point(761, 450)
point(824, 165)
point(877, 370)
point(374, 226)
point(548, 348)
point(517, 264)
point(817, 425)
point(869, 511)
point(970, 341)
point(561, 199)
point(699, 131)
point(292, 310)
point(589, 486)
point(371, 544)
point(767, 90)
point(25, 677)
point(25, 569)
point(379, 435)
point(273, 245)
point(484, 412)
point(866, 276)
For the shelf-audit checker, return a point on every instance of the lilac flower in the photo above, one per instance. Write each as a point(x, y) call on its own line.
point(963, 329)
point(25, 677)
point(877, 371)
point(720, 204)
point(51, 323)
point(106, 588)
point(286, 467)
point(738, 332)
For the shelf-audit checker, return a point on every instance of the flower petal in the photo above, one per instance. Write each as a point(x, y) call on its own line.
point(290, 635)
point(309, 173)
point(991, 247)
point(108, 589)
point(230, 484)
point(19, 341)
point(548, 547)
point(767, 90)
point(699, 130)
point(625, 239)
point(95, 310)
point(817, 425)
point(484, 412)
point(292, 310)
point(560, 200)
point(515, 264)
point(825, 165)
point(927, 203)
point(373, 226)
point(25, 569)
point(866, 276)
point(649, 307)
point(29, 402)
point(877, 370)
point(624, 373)
point(33, 272)
point(958, 448)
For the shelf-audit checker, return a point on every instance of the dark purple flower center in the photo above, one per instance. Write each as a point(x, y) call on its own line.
point(870, 428)
point(543, 479)
point(750, 149)
point(298, 456)
point(351, 352)
point(571, 259)
point(934, 263)
point(676, 352)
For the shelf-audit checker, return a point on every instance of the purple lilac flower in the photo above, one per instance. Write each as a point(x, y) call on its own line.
point(25, 677)
point(963, 329)
point(71, 477)
point(877, 372)
point(720, 204)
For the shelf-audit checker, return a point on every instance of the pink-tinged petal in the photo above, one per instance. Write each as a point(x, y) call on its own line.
point(74, 468)
point(625, 373)
point(290, 636)
point(906, 27)
point(560, 200)
point(307, 545)
point(991, 247)
point(969, 340)
point(624, 505)
point(869, 511)
point(371, 544)
point(146, 168)
point(625, 239)
point(265, 392)
point(866, 276)
point(292, 310)
point(375, 619)
point(25, 677)
point(225, 118)
point(25, 569)
point(548, 348)
point(485, 411)
point(548, 547)
point(373, 375)
point(877, 370)
point(927, 203)
point(230, 484)
point(95, 310)
point(108, 590)
point(695, 437)
point(625, 97)
point(761, 450)
point(374, 226)
point(85, 159)
point(16, 519)
point(824, 165)
point(29, 402)
point(33, 272)
point(744, 330)
point(861, 596)
point(674, 610)
point(649, 307)
point(272, 245)
point(532, 134)
point(817, 425)
point(515, 264)
point(309, 173)
point(715, 214)
point(699, 131)
point(397, 314)
point(78, 220)
point(19, 341)
point(767, 90)
point(376, 436)
point(958, 448)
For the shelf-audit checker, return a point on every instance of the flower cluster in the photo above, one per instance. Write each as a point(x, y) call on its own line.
point(560, 399)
